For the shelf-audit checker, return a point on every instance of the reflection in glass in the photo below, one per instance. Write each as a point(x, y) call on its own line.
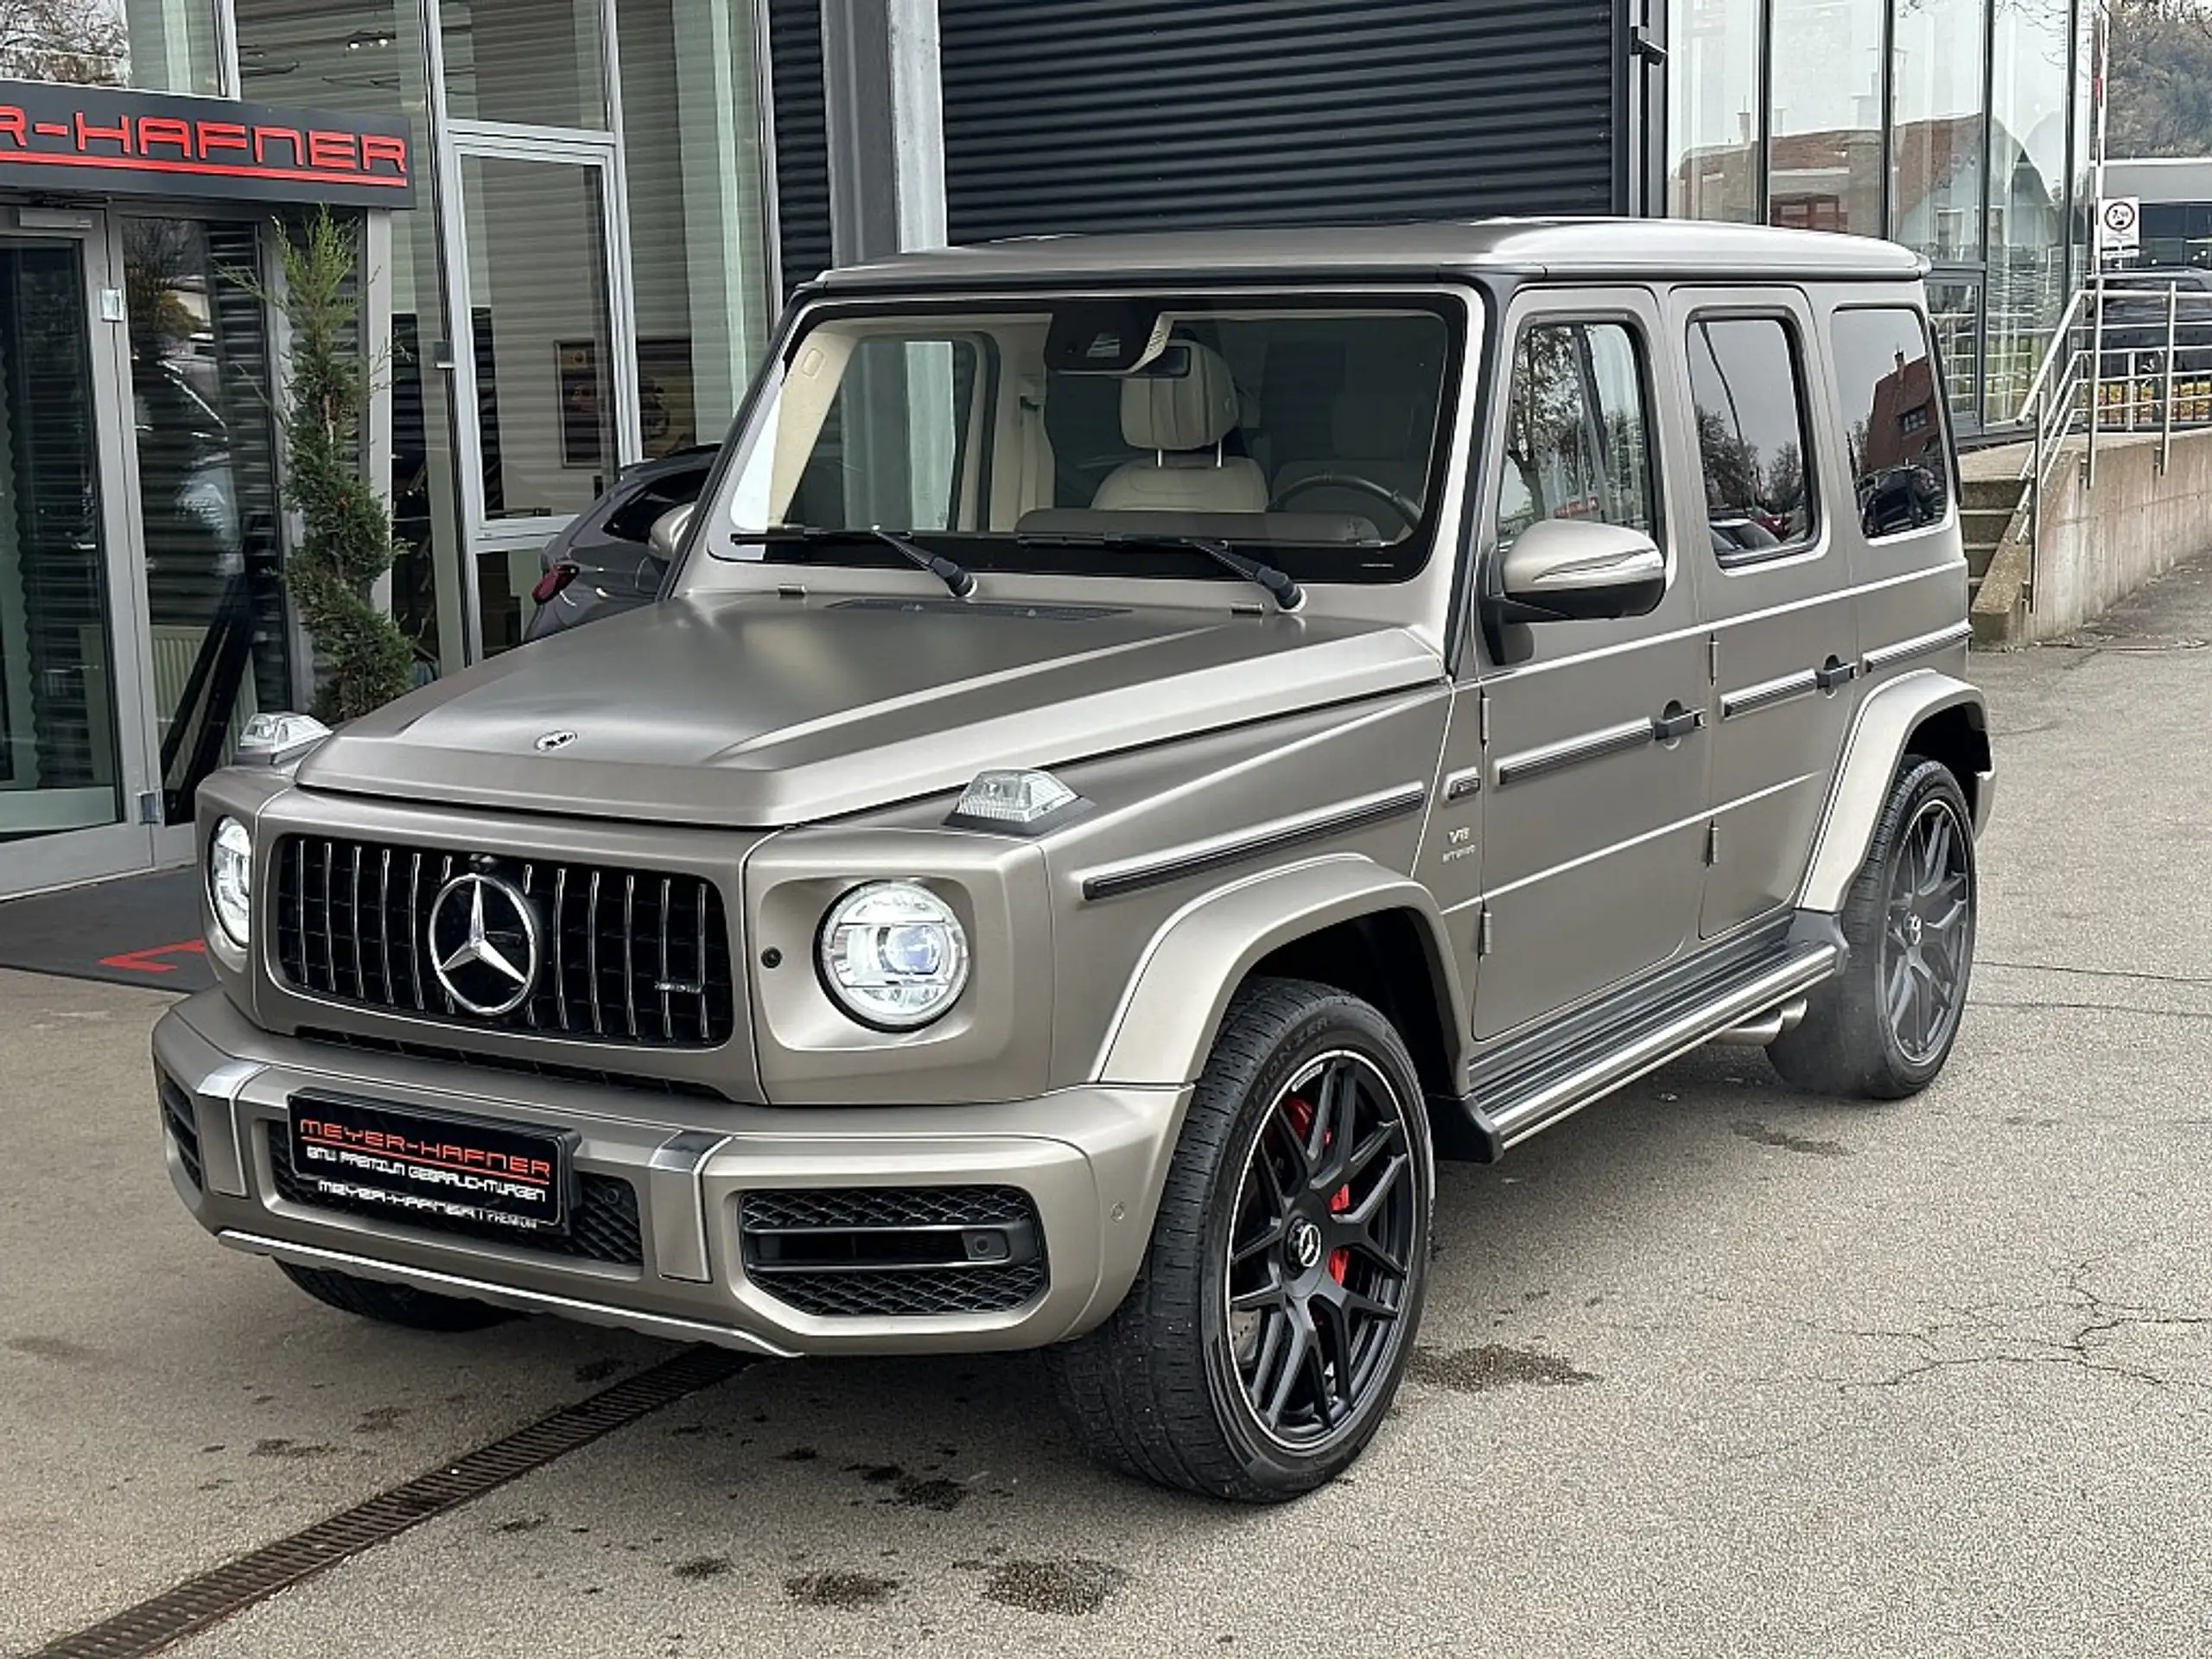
point(1954, 311)
point(698, 249)
point(1935, 161)
point(532, 62)
point(2027, 195)
point(161, 46)
point(58, 755)
point(368, 59)
point(199, 389)
point(1750, 433)
point(1569, 454)
point(1825, 170)
point(1885, 378)
point(1712, 139)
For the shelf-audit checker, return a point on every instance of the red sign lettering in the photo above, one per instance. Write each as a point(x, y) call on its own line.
point(334, 150)
point(117, 134)
point(162, 130)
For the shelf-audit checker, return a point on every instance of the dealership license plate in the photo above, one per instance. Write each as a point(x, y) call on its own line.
point(431, 1168)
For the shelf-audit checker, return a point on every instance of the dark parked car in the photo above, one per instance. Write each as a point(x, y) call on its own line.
point(605, 562)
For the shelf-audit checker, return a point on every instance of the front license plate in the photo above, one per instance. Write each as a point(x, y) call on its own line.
point(430, 1167)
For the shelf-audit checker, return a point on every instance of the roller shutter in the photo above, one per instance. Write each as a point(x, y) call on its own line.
point(802, 140)
point(1109, 115)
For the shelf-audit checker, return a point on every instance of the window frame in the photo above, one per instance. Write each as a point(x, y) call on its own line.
point(1814, 542)
point(1945, 426)
point(1633, 326)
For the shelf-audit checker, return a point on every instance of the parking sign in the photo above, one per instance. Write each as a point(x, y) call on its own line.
point(2120, 226)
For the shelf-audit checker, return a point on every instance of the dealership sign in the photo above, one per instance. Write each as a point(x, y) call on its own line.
point(103, 140)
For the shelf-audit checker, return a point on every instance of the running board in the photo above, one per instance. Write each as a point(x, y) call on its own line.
point(1759, 995)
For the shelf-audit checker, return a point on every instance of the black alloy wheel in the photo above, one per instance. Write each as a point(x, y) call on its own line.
point(1258, 1351)
point(1882, 1028)
point(1927, 943)
point(1317, 1266)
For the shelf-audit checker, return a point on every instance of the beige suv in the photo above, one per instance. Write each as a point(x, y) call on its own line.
point(1147, 744)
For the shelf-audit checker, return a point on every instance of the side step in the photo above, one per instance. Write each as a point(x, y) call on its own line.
point(1749, 995)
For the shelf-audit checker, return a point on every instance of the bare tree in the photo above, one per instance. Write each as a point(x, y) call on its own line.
point(81, 41)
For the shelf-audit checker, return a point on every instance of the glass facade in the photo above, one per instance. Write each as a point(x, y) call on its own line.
point(586, 281)
point(1956, 127)
point(156, 46)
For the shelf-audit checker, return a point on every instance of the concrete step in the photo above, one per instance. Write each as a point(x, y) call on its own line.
point(1976, 493)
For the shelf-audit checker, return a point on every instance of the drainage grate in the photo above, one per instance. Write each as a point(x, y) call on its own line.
point(214, 1596)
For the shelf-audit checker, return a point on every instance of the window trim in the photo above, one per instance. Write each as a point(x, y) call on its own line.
point(1944, 423)
point(1815, 540)
point(1639, 342)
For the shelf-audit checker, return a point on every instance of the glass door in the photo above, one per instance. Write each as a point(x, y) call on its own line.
point(541, 351)
point(76, 794)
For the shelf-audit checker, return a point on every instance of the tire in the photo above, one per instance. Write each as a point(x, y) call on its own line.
point(371, 1299)
point(1332, 1276)
point(1906, 921)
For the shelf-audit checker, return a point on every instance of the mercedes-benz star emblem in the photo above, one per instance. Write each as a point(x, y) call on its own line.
point(1304, 1242)
point(552, 740)
point(483, 937)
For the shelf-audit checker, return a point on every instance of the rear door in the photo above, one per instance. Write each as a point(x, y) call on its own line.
point(1774, 586)
point(1594, 804)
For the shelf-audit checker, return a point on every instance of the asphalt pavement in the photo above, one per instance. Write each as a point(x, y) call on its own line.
point(1713, 1367)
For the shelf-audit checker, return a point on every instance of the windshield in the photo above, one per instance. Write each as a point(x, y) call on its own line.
point(1093, 436)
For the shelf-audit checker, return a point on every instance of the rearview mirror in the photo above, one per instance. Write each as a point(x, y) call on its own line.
point(1582, 569)
point(668, 530)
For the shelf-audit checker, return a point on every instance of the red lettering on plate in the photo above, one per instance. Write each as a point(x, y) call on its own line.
point(375, 149)
point(333, 150)
point(118, 134)
point(164, 130)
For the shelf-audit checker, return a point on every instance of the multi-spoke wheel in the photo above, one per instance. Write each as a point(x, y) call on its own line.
point(1882, 1028)
point(1259, 1348)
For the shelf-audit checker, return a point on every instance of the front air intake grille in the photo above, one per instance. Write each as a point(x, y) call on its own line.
point(182, 1121)
point(895, 1252)
point(602, 1222)
point(630, 957)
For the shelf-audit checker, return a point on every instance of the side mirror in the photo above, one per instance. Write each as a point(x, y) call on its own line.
point(667, 533)
point(1582, 569)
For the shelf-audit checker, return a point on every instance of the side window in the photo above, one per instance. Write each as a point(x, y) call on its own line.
point(1749, 395)
point(1893, 419)
point(903, 405)
point(1578, 440)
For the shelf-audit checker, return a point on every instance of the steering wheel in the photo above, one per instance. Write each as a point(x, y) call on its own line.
point(1405, 506)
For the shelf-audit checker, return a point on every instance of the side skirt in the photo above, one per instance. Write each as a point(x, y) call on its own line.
point(1528, 1085)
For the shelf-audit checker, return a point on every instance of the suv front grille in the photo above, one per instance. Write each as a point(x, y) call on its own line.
point(895, 1252)
point(602, 1222)
point(630, 957)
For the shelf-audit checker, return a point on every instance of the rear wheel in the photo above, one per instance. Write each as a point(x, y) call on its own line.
point(371, 1299)
point(1261, 1346)
point(1882, 1028)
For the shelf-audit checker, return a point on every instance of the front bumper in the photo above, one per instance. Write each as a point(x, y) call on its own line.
point(1090, 1160)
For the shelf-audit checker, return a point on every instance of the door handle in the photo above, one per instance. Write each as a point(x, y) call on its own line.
point(1676, 722)
point(1834, 672)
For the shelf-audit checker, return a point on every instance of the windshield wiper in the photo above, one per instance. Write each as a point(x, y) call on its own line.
point(954, 576)
point(1278, 585)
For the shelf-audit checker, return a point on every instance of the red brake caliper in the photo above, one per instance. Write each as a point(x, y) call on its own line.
point(1301, 1120)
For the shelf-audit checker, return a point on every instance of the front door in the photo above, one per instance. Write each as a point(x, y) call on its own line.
point(77, 794)
point(1593, 814)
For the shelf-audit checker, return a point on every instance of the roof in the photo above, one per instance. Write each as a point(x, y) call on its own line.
point(1578, 247)
point(2160, 179)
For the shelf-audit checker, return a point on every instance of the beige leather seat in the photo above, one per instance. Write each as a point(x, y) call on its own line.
point(1183, 419)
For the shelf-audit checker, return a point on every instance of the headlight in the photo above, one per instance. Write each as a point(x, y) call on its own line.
point(893, 955)
point(230, 879)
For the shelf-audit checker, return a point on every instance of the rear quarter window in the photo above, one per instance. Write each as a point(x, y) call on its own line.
point(1749, 399)
point(1893, 409)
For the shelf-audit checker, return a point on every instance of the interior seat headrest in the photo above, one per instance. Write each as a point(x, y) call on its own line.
point(1194, 410)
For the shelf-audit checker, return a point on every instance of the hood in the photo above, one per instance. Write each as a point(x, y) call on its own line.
point(756, 711)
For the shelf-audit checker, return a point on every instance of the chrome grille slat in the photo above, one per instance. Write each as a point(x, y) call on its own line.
point(324, 920)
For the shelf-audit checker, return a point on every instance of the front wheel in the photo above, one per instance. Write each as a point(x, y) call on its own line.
point(1882, 1029)
point(1261, 1346)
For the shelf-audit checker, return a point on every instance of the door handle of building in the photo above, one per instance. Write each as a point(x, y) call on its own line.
point(1834, 672)
point(1676, 722)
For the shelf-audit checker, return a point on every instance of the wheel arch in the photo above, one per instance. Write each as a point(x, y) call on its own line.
point(1343, 920)
point(1926, 713)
